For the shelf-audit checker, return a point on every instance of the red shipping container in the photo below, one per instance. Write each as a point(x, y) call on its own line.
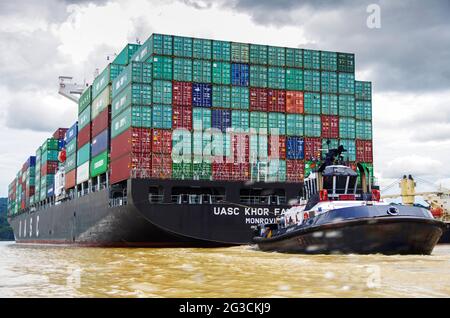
point(181, 117)
point(221, 170)
point(240, 148)
point(130, 166)
point(101, 122)
point(276, 100)
point(161, 166)
point(277, 147)
point(30, 191)
point(70, 179)
point(60, 133)
point(239, 171)
point(295, 102)
point(364, 151)
point(133, 140)
point(49, 167)
point(295, 170)
point(330, 126)
point(182, 93)
point(161, 141)
point(258, 99)
point(84, 136)
point(313, 148)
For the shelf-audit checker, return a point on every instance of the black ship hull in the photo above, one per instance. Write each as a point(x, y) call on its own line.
point(92, 220)
point(370, 233)
point(445, 238)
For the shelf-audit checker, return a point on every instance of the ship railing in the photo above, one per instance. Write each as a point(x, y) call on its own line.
point(154, 198)
point(197, 199)
point(115, 202)
point(266, 200)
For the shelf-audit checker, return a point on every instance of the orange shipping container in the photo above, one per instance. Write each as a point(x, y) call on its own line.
point(295, 102)
point(70, 179)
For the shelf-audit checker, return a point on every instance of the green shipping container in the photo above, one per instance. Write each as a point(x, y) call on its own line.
point(134, 94)
point(101, 102)
point(221, 96)
point(201, 144)
point(201, 118)
point(346, 83)
point(294, 125)
point(84, 154)
point(329, 144)
point(49, 144)
point(201, 170)
point(162, 92)
point(350, 146)
point(182, 69)
point(162, 117)
point(125, 55)
point(182, 171)
point(276, 77)
point(294, 58)
point(347, 105)
point(363, 90)
point(311, 81)
point(240, 97)
point(329, 104)
point(363, 110)
point(328, 61)
point(364, 130)
point(121, 122)
point(85, 100)
point(84, 118)
point(71, 147)
point(135, 72)
point(258, 54)
point(201, 71)
point(258, 122)
point(276, 170)
point(202, 49)
point(182, 46)
point(181, 146)
point(312, 103)
point(108, 75)
point(71, 163)
point(221, 73)
point(346, 62)
point(277, 123)
point(313, 126)
point(156, 44)
point(141, 116)
point(240, 52)
point(311, 59)
point(259, 147)
point(49, 155)
point(240, 120)
point(162, 67)
point(276, 56)
point(347, 128)
point(258, 76)
point(294, 79)
point(99, 164)
point(329, 82)
point(221, 51)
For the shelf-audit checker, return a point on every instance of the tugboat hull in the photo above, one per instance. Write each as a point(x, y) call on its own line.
point(384, 235)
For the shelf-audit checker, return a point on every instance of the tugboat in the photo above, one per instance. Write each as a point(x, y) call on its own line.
point(344, 214)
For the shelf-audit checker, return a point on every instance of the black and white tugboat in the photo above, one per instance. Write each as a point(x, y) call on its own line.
point(344, 214)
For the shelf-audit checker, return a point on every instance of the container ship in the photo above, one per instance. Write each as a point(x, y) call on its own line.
point(185, 141)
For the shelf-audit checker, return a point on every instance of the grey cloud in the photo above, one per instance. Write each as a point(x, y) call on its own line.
point(408, 53)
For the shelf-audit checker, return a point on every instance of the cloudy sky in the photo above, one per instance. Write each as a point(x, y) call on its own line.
point(407, 59)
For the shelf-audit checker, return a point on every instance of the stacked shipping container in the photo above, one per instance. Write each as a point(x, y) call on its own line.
point(159, 111)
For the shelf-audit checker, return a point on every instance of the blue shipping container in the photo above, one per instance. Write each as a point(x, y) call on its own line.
point(99, 143)
point(240, 74)
point(61, 144)
point(50, 190)
point(71, 133)
point(295, 148)
point(201, 95)
point(221, 119)
point(31, 162)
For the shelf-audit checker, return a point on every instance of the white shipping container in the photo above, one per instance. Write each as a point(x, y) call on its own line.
point(83, 173)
